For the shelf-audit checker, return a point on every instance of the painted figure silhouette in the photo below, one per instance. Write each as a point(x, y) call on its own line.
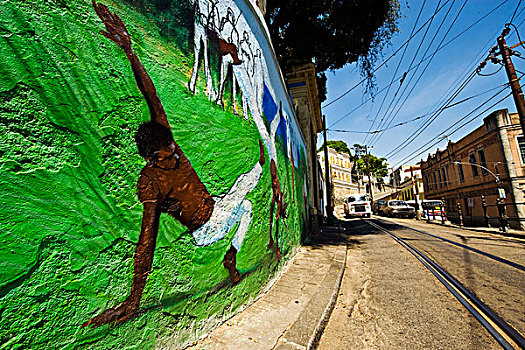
point(169, 184)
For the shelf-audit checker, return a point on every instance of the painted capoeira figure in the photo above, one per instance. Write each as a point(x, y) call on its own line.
point(221, 25)
point(169, 184)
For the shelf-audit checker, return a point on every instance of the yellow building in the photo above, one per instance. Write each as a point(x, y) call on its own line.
point(341, 175)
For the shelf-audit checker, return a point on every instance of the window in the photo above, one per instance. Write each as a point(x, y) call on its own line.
point(444, 176)
point(435, 181)
point(440, 179)
point(461, 174)
point(521, 146)
point(482, 161)
point(473, 165)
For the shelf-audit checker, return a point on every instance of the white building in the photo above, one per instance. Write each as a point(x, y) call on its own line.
point(341, 175)
point(404, 173)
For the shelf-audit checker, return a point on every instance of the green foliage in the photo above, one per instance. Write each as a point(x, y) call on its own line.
point(338, 146)
point(378, 166)
point(331, 33)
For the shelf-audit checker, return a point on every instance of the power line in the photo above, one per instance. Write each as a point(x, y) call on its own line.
point(382, 122)
point(424, 60)
point(388, 59)
point(517, 34)
point(419, 117)
point(424, 69)
point(453, 132)
point(412, 156)
point(420, 130)
point(415, 133)
point(517, 7)
point(397, 68)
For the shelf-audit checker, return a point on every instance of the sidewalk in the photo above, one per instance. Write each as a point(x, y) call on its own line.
point(293, 312)
point(492, 230)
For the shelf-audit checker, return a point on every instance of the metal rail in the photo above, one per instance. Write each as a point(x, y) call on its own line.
point(505, 334)
point(488, 255)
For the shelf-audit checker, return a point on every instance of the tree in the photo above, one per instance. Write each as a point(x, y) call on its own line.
point(338, 146)
point(378, 166)
point(331, 33)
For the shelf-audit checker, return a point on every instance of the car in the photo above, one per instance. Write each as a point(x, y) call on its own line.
point(376, 207)
point(432, 208)
point(398, 208)
point(357, 205)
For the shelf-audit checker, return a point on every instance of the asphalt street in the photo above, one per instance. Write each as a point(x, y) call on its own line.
point(389, 300)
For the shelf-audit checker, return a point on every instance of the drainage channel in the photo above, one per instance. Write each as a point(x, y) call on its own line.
point(505, 334)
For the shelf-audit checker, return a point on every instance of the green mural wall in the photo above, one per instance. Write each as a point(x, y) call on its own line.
point(70, 217)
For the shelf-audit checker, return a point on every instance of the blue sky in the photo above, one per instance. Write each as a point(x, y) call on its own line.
point(447, 70)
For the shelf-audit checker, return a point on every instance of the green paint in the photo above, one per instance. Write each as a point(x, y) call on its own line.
point(69, 216)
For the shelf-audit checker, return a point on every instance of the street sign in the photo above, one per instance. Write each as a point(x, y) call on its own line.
point(501, 192)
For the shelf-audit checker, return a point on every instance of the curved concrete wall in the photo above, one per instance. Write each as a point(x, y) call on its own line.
point(70, 217)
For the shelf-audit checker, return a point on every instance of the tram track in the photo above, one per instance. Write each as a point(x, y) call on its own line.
point(488, 255)
point(506, 335)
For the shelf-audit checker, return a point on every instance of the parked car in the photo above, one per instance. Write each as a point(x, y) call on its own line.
point(398, 208)
point(432, 208)
point(358, 205)
point(376, 207)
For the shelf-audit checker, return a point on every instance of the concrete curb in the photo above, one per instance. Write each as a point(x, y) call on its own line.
point(305, 332)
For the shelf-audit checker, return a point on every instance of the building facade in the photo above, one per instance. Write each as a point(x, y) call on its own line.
point(406, 183)
point(302, 85)
point(343, 181)
point(490, 158)
point(404, 173)
point(340, 174)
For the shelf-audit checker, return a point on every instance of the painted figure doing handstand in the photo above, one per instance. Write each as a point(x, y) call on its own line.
point(169, 184)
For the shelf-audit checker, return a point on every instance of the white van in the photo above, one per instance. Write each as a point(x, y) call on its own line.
point(358, 205)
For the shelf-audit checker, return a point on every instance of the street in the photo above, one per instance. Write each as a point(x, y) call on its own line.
point(390, 300)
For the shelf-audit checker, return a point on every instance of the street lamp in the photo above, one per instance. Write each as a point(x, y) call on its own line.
point(481, 166)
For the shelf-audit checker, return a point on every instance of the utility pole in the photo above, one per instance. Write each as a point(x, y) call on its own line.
point(394, 180)
point(369, 178)
point(415, 188)
point(517, 93)
point(449, 150)
point(327, 174)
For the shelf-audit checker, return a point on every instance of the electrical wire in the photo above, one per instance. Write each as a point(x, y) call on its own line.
point(397, 68)
point(420, 130)
point(420, 117)
point(412, 156)
point(424, 60)
point(424, 70)
point(490, 74)
point(517, 34)
point(382, 122)
point(411, 138)
point(386, 61)
point(517, 7)
point(427, 123)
